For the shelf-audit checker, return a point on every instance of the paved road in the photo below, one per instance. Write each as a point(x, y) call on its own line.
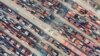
point(41, 25)
point(23, 43)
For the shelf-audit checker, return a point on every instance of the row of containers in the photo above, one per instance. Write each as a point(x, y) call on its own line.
point(62, 10)
point(75, 37)
point(17, 29)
